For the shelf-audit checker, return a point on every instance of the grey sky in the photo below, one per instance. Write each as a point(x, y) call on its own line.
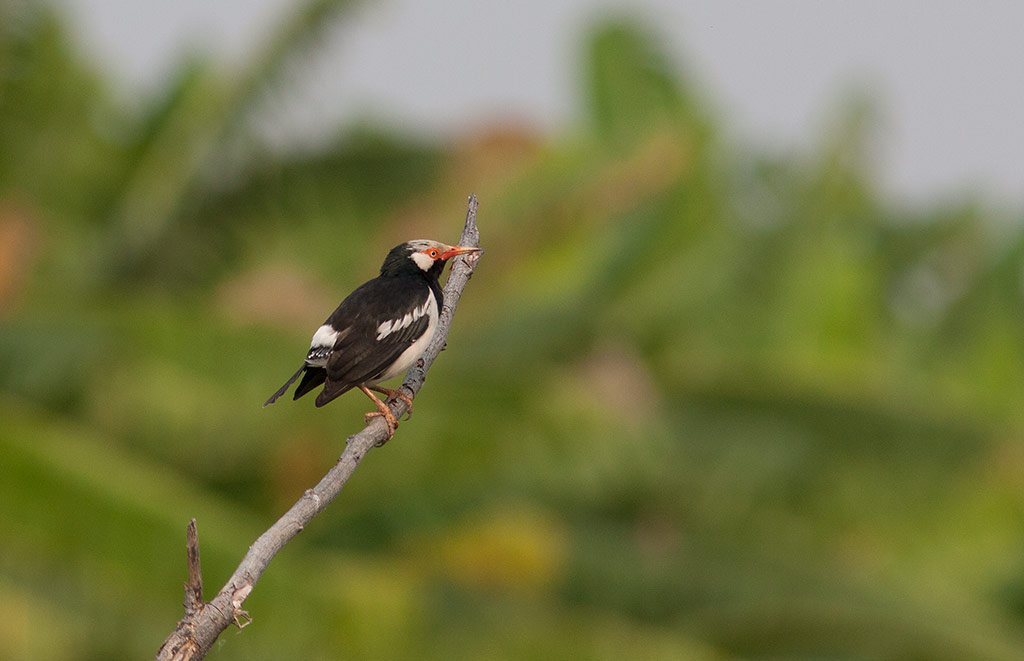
point(947, 75)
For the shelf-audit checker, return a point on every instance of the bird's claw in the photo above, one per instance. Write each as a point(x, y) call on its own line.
point(388, 419)
point(397, 394)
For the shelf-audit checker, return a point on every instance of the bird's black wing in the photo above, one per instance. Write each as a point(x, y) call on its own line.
point(359, 356)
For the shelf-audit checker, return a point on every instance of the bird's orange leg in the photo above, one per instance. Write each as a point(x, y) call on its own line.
point(396, 394)
point(382, 410)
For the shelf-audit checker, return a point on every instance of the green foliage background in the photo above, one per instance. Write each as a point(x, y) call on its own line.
point(700, 401)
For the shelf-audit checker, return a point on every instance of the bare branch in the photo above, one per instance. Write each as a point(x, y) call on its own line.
point(204, 622)
point(194, 587)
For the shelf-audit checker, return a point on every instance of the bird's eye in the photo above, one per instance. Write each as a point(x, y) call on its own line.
point(433, 253)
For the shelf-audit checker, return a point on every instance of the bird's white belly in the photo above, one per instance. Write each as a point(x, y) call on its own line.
point(416, 349)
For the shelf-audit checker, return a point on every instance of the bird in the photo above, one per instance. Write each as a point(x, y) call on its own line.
point(379, 330)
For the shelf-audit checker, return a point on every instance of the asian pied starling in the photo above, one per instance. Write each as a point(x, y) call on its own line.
point(379, 330)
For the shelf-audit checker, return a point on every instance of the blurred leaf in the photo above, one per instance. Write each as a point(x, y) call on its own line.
point(198, 144)
point(632, 86)
point(700, 401)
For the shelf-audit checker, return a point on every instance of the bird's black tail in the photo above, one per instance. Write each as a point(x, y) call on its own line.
point(311, 380)
point(282, 389)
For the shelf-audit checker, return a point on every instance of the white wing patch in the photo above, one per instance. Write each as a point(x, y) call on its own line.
point(394, 325)
point(416, 349)
point(325, 336)
point(321, 346)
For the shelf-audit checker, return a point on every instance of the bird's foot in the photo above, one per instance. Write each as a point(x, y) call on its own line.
point(396, 394)
point(388, 418)
point(383, 410)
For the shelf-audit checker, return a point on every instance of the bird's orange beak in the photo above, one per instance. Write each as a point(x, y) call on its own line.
point(458, 250)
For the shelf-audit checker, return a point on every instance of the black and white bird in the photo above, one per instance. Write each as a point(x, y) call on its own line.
point(379, 330)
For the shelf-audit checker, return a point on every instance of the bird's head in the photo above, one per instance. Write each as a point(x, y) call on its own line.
point(421, 255)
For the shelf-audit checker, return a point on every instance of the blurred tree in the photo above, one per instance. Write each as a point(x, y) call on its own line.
point(704, 401)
